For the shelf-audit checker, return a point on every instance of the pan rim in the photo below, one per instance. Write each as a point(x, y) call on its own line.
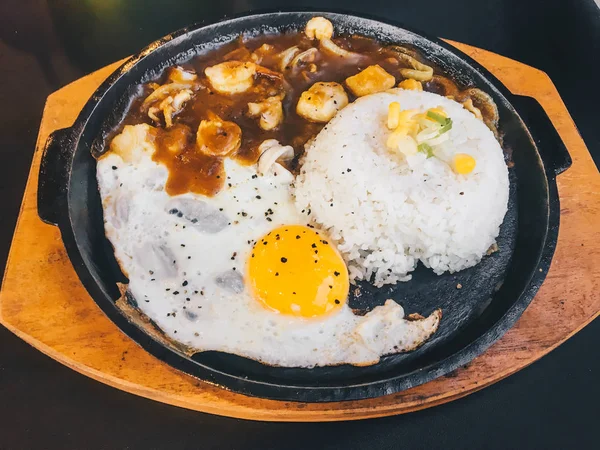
point(298, 392)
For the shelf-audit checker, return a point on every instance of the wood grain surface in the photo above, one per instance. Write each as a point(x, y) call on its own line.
point(43, 302)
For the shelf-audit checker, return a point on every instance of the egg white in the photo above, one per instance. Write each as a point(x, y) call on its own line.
point(188, 276)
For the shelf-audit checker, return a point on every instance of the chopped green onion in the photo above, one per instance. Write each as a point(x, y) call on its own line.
point(437, 117)
point(445, 122)
point(426, 148)
point(447, 126)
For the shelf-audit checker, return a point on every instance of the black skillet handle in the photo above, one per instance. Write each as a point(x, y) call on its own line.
point(53, 178)
point(553, 151)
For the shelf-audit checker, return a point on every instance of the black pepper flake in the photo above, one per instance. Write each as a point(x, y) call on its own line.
point(462, 193)
point(220, 209)
point(265, 243)
point(284, 259)
point(348, 170)
point(325, 242)
point(152, 279)
point(276, 274)
point(201, 292)
point(195, 292)
point(189, 257)
point(253, 255)
point(218, 176)
point(269, 219)
point(175, 292)
point(175, 331)
point(330, 286)
point(244, 214)
point(254, 176)
point(185, 283)
point(336, 273)
point(229, 184)
point(337, 302)
point(167, 289)
point(234, 268)
point(114, 167)
point(293, 293)
point(316, 251)
point(183, 245)
point(314, 246)
point(187, 299)
point(258, 197)
point(297, 236)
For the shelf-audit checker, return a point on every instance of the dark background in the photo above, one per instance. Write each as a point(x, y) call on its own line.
point(45, 45)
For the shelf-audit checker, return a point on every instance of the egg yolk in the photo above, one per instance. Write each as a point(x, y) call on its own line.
point(295, 270)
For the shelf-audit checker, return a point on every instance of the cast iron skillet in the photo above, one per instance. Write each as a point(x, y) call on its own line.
point(493, 295)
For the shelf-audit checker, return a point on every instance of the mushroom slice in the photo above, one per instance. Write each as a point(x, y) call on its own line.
point(270, 112)
point(443, 86)
point(322, 101)
point(272, 153)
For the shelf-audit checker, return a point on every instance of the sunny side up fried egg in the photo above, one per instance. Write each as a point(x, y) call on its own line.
point(239, 272)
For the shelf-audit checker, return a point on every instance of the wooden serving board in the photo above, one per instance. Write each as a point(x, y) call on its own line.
point(43, 302)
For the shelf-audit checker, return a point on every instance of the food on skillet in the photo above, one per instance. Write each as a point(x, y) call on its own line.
point(249, 188)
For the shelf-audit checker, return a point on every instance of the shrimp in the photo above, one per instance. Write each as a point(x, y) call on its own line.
point(217, 137)
point(319, 28)
point(231, 77)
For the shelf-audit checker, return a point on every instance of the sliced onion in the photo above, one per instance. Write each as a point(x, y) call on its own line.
point(164, 91)
point(306, 56)
point(329, 46)
point(419, 71)
point(286, 57)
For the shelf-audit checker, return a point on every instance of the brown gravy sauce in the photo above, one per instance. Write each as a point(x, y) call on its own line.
point(192, 171)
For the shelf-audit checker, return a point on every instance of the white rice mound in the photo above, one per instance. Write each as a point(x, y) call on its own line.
point(387, 212)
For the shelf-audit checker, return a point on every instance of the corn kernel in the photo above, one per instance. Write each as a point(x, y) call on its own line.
point(411, 84)
point(463, 164)
point(393, 115)
point(439, 110)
